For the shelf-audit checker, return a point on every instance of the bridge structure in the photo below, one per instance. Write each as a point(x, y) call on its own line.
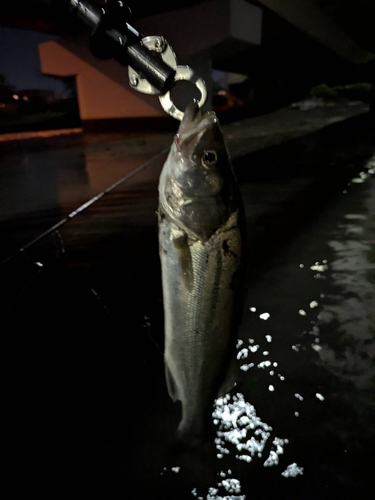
point(273, 43)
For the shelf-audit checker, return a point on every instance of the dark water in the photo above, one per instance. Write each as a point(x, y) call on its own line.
point(87, 413)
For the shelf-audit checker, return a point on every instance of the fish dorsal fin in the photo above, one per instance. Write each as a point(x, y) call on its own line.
point(171, 385)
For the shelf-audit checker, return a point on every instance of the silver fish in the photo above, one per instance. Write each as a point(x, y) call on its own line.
point(201, 237)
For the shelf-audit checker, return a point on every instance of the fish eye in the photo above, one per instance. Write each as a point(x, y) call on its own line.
point(209, 158)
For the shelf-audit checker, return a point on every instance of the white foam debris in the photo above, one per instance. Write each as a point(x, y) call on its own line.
point(315, 330)
point(194, 492)
point(226, 497)
point(264, 316)
point(275, 364)
point(253, 309)
point(264, 364)
point(302, 266)
point(222, 474)
point(245, 367)
point(316, 347)
point(243, 353)
point(269, 338)
point(319, 267)
point(251, 341)
point(271, 388)
point(295, 348)
point(175, 469)
point(273, 459)
point(319, 276)
point(281, 378)
point(254, 348)
point(239, 343)
point(313, 304)
point(240, 426)
point(296, 413)
point(232, 485)
point(293, 471)
point(319, 396)
point(302, 312)
point(362, 177)
point(212, 491)
point(272, 373)
point(277, 449)
point(265, 353)
point(298, 396)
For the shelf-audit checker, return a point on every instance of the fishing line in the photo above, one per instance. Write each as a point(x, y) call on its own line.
point(54, 229)
point(86, 205)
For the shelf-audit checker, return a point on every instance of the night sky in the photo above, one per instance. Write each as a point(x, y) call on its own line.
point(19, 60)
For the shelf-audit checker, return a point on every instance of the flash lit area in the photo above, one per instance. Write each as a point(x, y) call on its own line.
point(343, 261)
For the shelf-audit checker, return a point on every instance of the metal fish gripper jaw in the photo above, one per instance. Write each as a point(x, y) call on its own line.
point(160, 45)
point(152, 63)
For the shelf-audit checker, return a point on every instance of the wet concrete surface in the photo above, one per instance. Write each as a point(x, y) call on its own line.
point(87, 412)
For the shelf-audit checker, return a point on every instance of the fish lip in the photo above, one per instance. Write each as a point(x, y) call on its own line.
point(194, 125)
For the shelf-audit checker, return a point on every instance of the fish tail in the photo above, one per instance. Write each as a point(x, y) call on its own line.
point(199, 441)
point(195, 453)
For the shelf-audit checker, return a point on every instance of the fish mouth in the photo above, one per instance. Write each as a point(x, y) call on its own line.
point(194, 124)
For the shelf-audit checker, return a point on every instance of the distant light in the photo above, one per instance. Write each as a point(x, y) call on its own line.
point(15, 97)
point(271, 388)
point(25, 98)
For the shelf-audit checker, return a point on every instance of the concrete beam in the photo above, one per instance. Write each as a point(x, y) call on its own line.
point(102, 86)
point(201, 27)
point(309, 18)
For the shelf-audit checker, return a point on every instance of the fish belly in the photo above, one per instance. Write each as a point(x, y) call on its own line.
point(199, 291)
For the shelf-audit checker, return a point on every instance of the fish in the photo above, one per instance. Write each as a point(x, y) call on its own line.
point(201, 247)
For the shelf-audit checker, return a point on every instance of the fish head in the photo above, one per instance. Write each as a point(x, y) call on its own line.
point(196, 185)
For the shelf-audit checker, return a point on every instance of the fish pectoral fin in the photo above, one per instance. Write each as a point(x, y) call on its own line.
point(171, 384)
point(230, 378)
point(181, 243)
